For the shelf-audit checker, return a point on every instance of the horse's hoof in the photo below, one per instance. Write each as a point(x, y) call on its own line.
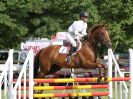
point(99, 80)
point(106, 79)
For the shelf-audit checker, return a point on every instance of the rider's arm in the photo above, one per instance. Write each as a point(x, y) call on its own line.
point(84, 30)
point(76, 28)
point(78, 34)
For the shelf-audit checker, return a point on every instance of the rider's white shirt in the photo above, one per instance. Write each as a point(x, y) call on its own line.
point(78, 29)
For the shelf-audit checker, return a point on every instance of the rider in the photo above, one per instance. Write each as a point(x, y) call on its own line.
point(76, 31)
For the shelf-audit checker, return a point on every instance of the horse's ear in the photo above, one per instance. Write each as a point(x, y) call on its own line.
point(105, 24)
point(97, 23)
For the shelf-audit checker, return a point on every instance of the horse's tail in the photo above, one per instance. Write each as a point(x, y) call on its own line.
point(36, 63)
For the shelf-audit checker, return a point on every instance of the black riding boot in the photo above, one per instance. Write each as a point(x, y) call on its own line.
point(72, 50)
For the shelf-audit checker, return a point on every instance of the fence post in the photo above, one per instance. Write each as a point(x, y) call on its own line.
point(110, 73)
point(31, 83)
point(131, 72)
point(10, 74)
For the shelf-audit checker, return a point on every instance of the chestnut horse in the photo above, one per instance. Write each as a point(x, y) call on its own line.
point(48, 60)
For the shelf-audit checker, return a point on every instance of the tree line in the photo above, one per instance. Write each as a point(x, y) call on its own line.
point(20, 19)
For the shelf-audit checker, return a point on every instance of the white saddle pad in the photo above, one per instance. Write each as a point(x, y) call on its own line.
point(64, 50)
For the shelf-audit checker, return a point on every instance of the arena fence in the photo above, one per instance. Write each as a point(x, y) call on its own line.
point(17, 88)
point(6, 78)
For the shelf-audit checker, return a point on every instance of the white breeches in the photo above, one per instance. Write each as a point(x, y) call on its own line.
point(70, 38)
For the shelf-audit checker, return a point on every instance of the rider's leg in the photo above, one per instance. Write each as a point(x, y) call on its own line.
point(73, 47)
point(72, 50)
point(79, 43)
point(71, 40)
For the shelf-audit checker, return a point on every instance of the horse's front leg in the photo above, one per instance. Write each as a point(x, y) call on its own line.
point(101, 74)
point(105, 71)
point(100, 66)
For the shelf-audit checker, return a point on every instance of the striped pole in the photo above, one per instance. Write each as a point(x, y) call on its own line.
point(67, 87)
point(70, 80)
point(79, 80)
point(69, 94)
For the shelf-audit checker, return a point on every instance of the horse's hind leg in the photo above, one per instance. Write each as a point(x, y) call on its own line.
point(43, 70)
point(54, 68)
point(40, 75)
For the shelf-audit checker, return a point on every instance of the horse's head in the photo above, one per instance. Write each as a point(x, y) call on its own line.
point(100, 33)
point(104, 36)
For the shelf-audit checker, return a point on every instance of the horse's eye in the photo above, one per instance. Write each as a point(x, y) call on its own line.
point(101, 33)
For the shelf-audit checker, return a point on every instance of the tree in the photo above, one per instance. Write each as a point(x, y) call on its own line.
point(20, 19)
point(118, 14)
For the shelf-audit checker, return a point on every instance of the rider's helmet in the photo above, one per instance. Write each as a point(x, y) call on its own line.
point(83, 14)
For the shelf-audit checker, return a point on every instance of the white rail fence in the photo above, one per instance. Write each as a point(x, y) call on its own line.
point(17, 88)
point(131, 73)
point(122, 94)
point(6, 78)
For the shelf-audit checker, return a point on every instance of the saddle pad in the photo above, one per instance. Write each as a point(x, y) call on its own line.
point(64, 49)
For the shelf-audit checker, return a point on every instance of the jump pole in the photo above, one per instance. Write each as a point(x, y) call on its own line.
point(67, 87)
point(80, 80)
point(68, 94)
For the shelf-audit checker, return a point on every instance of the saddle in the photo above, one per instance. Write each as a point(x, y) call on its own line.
point(65, 48)
point(66, 43)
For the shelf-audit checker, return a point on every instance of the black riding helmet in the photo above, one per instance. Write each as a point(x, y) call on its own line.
point(83, 14)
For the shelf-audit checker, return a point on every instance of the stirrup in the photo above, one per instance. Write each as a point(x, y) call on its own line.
point(68, 59)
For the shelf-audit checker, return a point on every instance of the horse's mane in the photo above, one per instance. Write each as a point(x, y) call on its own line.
point(94, 27)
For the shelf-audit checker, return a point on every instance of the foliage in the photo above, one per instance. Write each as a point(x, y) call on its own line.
point(20, 19)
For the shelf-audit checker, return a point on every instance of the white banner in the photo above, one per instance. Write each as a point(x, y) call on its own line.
point(35, 45)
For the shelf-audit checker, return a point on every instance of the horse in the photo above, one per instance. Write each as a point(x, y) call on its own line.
point(48, 60)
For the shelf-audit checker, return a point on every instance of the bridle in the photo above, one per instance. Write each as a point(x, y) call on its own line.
point(105, 42)
point(100, 37)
